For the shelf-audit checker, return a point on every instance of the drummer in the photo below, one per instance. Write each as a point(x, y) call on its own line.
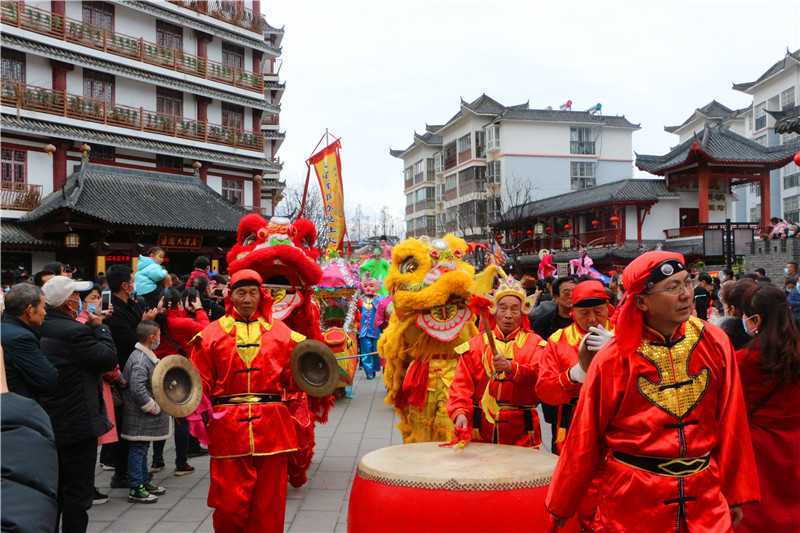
point(494, 394)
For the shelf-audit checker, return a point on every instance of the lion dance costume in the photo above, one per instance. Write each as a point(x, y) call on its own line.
point(430, 283)
point(283, 254)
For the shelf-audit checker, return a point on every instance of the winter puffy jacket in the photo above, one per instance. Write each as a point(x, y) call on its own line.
point(148, 275)
point(30, 466)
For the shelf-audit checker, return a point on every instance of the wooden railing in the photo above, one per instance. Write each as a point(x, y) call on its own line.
point(686, 231)
point(45, 100)
point(20, 196)
point(40, 21)
point(227, 11)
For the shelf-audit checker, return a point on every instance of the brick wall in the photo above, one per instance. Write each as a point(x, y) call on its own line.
point(772, 256)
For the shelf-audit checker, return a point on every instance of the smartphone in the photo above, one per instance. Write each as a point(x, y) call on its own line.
point(105, 301)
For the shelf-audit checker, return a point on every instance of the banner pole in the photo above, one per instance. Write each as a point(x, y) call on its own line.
point(305, 191)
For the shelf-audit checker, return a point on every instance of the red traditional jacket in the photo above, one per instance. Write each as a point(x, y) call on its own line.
point(679, 400)
point(517, 422)
point(245, 371)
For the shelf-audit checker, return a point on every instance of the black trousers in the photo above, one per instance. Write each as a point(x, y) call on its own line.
point(76, 484)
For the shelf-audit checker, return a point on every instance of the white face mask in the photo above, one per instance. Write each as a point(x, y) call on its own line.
point(156, 344)
point(745, 320)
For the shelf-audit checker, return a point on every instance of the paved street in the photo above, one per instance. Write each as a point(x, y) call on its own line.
point(356, 427)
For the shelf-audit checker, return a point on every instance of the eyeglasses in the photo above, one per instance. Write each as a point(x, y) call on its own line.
point(675, 288)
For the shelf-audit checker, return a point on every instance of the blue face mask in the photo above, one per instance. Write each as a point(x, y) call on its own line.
point(91, 308)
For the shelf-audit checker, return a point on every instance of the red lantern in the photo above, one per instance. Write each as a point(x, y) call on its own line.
point(614, 219)
point(567, 226)
point(595, 223)
point(549, 229)
point(529, 233)
point(499, 237)
point(797, 159)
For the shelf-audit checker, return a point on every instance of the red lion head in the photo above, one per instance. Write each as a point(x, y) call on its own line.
point(283, 253)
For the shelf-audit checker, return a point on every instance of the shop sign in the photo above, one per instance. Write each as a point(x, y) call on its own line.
point(180, 241)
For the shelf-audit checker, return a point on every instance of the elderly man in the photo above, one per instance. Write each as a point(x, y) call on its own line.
point(81, 353)
point(28, 370)
point(661, 423)
point(244, 362)
point(494, 393)
point(563, 364)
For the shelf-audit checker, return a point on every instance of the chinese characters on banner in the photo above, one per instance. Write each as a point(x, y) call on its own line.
point(328, 167)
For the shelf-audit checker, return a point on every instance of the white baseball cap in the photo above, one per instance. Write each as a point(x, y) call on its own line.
point(59, 288)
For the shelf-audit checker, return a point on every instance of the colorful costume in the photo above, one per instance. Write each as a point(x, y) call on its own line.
point(660, 425)
point(430, 284)
point(281, 252)
point(500, 408)
point(376, 268)
point(546, 268)
point(244, 367)
point(774, 413)
point(368, 330)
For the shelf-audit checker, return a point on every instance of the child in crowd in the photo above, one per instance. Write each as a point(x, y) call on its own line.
point(144, 422)
point(150, 276)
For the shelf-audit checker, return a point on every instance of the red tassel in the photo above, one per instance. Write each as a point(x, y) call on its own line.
point(415, 387)
point(462, 438)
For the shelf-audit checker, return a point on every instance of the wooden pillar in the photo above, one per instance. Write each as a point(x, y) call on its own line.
point(99, 264)
point(203, 172)
point(60, 164)
point(766, 204)
point(59, 74)
point(202, 43)
point(703, 179)
point(257, 113)
point(134, 261)
point(202, 108)
point(258, 56)
point(58, 7)
point(257, 193)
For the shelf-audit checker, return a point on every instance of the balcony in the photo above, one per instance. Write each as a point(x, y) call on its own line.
point(227, 11)
point(59, 103)
point(40, 21)
point(20, 196)
point(409, 209)
point(425, 204)
point(581, 147)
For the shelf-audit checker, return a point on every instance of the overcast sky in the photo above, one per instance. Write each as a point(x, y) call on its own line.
point(374, 71)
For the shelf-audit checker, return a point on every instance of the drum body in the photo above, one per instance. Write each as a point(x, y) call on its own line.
point(483, 488)
point(343, 344)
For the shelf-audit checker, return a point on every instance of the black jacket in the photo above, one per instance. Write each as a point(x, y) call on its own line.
point(81, 354)
point(28, 371)
point(122, 323)
point(30, 466)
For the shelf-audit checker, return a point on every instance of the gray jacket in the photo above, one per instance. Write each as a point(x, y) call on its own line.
point(139, 422)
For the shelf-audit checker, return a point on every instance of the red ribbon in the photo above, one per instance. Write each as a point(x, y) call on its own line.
point(462, 438)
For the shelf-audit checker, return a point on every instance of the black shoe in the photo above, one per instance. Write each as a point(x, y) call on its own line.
point(184, 470)
point(119, 483)
point(99, 498)
point(196, 452)
point(157, 467)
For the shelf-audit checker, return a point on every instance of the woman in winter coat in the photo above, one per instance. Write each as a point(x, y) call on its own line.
point(149, 275)
point(184, 318)
point(770, 372)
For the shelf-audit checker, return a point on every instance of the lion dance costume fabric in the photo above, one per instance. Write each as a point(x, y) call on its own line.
point(430, 283)
point(283, 254)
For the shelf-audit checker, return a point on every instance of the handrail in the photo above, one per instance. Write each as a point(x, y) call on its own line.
point(61, 103)
point(46, 23)
point(221, 10)
point(22, 197)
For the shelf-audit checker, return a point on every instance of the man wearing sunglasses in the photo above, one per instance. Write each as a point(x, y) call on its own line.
point(661, 423)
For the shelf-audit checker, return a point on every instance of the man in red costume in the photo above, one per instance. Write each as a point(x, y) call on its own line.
point(561, 370)
point(494, 394)
point(244, 362)
point(660, 424)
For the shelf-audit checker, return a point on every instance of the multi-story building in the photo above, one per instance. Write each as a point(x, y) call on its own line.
point(777, 89)
point(461, 175)
point(178, 88)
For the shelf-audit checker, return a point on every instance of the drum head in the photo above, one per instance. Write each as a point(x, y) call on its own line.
point(478, 466)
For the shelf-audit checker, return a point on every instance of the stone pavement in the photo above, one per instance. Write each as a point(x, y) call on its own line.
point(355, 428)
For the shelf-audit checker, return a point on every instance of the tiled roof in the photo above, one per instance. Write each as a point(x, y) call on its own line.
point(711, 110)
point(129, 197)
point(787, 121)
point(557, 115)
point(618, 192)
point(54, 129)
point(59, 54)
point(719, 144)
point(771, 71)
point(12, 234)
point(427, 138)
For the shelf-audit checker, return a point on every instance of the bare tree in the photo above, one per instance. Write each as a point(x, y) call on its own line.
point(290, 208)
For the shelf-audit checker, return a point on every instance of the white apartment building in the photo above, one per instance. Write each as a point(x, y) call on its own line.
point(460, 175)
point(777, 89)
point(175, 87)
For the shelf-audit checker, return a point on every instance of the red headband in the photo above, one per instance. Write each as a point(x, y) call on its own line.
point(586, 291)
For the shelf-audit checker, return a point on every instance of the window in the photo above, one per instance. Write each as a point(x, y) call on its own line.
point(451, 182)
point(98, 85)
point(581, 141)
point(14, 164)
point(582, 174)
point(791, 208)
point(688, 217)
point(232, 55)
point(408, 177)
point(791, 176)
point(169, 102)
point(787, 98)
point(102, 154)
point(233, 190)
point(419, 171)
point(755, 214)
point(429, 168)
point(409, 199)
point(232, 116)
point(755, 188)
point(493, 138)
point(450, 155)
point(464, 143)
point(480, 144)
point(438, 162)
point(168, 161)
point(169, 35)
point(493, 172)
point(760, 116)
point(99, 14)
point(13, 66)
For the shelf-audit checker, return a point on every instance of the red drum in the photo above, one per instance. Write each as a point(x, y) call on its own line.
point(483, 488)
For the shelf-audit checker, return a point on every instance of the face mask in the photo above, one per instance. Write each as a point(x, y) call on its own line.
point(156, 344)
point(785, 271)
point(745, 320)
point(91, 308)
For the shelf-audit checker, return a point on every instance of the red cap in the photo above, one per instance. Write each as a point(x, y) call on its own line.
point(589, 293)
point(245, 277)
